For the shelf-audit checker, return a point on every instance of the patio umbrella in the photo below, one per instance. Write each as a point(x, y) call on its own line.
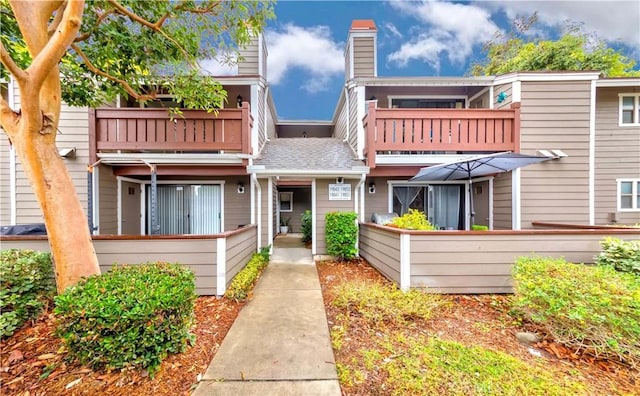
point(482, 165)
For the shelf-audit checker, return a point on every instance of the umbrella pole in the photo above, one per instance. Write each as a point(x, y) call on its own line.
point(473, 213)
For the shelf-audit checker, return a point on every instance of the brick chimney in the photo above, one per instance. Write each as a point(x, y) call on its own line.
point(361, 53)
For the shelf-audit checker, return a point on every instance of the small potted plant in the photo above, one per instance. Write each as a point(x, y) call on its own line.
point(284, 224)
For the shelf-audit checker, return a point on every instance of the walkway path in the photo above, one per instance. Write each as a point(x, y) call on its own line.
point(279, 344)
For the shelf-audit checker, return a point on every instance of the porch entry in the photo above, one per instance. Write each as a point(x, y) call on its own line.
point(444, 204)
point(186, 209)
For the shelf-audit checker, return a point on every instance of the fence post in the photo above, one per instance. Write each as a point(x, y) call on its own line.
point(405, 261)
point(221, 266)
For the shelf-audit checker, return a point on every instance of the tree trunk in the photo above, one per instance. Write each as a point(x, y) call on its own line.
point(67, 227)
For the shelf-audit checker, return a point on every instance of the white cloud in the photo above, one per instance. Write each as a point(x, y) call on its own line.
point(392, 30)
point(611, 20)
point(453, 29)
point(310, 49)
point(218, 68)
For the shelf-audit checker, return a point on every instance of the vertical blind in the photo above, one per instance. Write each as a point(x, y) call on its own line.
point(187, 209)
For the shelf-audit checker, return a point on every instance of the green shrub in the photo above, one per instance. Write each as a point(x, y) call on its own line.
point(413, 220)
point(26, 287)
point(382, 304)
point(244, 280)
point(130, 316)
point(341, 233)
point(622, 255)
point(306, 226)
point(477, 227)
point(592, 308)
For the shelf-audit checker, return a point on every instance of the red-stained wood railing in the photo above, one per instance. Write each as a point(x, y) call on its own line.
point(459, 130)
point(136, 130)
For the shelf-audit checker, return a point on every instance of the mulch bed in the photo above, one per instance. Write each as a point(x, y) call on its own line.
point(481, 320)
point(33, 363)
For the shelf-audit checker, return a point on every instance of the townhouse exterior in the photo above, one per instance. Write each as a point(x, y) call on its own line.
point(205, 174)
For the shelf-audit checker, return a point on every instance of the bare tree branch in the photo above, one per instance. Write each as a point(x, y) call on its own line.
point(157, 27)
point(84, 36)
point(108, 76)
point(19, 74)
point(57, 19)
point(58, 44)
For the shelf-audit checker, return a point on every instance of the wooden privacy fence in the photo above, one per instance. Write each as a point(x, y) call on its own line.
point(215, 259)
point(472, 261)
point(464, 130)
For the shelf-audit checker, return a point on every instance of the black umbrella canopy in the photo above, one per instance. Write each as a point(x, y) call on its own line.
point(482, 165)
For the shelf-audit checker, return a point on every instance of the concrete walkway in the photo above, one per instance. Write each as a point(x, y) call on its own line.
point(279, 344)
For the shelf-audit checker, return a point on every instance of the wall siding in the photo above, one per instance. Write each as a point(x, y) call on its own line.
point(555, 115)
point(341, 125)
point(502, 208)
point(381, 249)
point(73, 132)
point(108, 201)
point(508, 90)
point(353, 120)
point(363, 56)
point(237, 207)
point(198, 253)
point(240, 248)
point(475, 262)
point(379, 201)
point(250, 63)
point(617, 155)
point(5, 180)
point(324, 206)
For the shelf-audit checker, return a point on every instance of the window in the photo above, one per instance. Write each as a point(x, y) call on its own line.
point(186, 209)
point(418, 103)
point(286, 201)
point(629, 109)
point(629, 195)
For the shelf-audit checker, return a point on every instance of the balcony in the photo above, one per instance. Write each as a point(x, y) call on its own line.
point(411, 131)
point(131, 130)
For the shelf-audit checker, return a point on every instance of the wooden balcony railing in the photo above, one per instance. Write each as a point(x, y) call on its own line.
point(154, 130)
point(448, 130)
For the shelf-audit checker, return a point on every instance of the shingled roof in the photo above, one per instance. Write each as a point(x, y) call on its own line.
point(312, 154)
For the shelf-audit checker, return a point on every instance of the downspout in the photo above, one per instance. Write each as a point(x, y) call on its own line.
point(360, 197)
point(11, 100)
point(254, 179)
point(90, 197)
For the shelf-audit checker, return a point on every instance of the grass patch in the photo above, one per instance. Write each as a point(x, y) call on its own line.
point(432, 366)
point(382, 304)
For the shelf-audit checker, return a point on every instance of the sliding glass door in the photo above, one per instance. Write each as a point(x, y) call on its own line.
point(187, 209)
point(443, 204)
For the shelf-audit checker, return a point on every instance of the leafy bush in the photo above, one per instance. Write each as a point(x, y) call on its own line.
point(477, 227)
point(593, 308)
point(26, 287)
point(129, 316)
point(412, 220)
point(622, 255)
point(245, 279)
point(341, 233)
point(306, 226)
point(384, 304)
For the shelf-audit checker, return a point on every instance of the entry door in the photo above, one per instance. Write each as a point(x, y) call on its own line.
point(130, 209)
point(187, 209)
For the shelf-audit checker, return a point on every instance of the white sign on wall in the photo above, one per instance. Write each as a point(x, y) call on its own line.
point(339, 192)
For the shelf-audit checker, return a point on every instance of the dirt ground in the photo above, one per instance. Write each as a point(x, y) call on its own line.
point(481, 320)
point(33, 363)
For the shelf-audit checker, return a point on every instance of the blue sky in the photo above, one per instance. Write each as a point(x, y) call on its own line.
point(424, 38)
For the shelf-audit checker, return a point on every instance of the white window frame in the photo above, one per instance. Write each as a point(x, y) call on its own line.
point(635, 191)
point(285, 193)
point(636, 109)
